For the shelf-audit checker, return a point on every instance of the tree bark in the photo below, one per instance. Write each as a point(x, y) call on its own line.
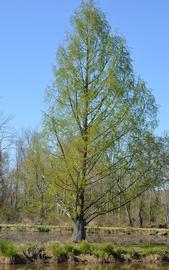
point(79, 230)
point(128, 208)
point(140, 214)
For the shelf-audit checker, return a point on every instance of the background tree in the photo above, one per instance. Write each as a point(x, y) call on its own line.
point(6, 140)
point(32, 172)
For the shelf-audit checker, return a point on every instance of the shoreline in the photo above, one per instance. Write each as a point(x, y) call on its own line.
point(81, 253)
point(89, 229)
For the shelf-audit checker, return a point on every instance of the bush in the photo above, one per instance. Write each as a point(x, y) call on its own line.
point(7, 248)
point(42, 228)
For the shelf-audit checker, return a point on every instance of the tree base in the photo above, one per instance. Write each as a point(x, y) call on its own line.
point(79, 230)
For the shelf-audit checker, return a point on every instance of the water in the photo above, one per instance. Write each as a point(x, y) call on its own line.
point(84, 267)
point(118, 238)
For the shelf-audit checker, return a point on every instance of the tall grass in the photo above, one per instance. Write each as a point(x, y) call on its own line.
point(7, 248)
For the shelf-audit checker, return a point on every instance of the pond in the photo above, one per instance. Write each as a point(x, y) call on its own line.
point(84, 267)
point(118, 238)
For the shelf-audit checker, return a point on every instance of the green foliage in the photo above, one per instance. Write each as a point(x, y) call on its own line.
point(71, 249)
point(31, 248)
point(126, 250)
point(65, 249)
point(144, 250)
point(84, 247)
point(99, 253)
point(108, 248)
point(102, 250)
point(7, 248)
point(58, 250)
point(155, 250)
point(42, 228)
point(99, 114)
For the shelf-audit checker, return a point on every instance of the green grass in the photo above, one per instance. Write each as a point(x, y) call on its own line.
point(99, 250)
point(84, 247)
point(7, 248)
point(71, 249)
point(42, 228)
point(148, 250)
point(104, 250)
point(99, 253)
point(155, 250)
point(58, 250)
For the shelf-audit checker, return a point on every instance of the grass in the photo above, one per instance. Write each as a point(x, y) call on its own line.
point(59, 250)
point(104, 250)
point(148, 250)
point(84, 247)
point(42, 228)
point(98, 250)
point(99, 253)
point(67, 249)
point(71, 249)
point(7, 248)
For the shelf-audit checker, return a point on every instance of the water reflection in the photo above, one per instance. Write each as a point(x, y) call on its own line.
point(82, 267)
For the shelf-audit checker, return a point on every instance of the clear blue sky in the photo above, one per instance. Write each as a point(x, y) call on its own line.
point(31, 31)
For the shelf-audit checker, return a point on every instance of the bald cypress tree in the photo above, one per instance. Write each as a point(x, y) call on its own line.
point(97, 107)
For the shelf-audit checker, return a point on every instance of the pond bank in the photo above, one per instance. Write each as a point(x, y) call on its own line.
point(81, 253)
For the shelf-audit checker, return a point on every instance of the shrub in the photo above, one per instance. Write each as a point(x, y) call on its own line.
point(7, 248)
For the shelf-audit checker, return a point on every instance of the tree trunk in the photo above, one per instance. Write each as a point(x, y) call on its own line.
point(141, 210)
point(140, 219)
point(79, 230)
point(128, 208)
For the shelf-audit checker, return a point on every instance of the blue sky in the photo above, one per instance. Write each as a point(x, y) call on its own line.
point(32, 30)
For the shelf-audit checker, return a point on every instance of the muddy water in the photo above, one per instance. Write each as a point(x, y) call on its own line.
point(118, 238)
point(97, 267)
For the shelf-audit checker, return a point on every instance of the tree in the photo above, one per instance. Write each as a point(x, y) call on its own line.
point(5, 143)
point(148, 161)
point(97, 108)
point(32, 173)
